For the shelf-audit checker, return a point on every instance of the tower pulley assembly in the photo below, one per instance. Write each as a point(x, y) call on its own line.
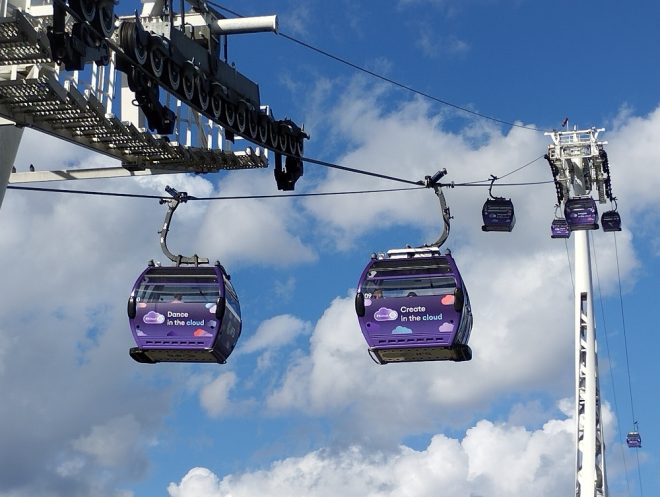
point(185, 54)
point(580, 166)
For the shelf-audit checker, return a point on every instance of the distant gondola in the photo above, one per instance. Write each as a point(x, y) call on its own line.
point(497, 212)
point(611, 221)
point(634, 440)
point(498, 215)
point(559, 228)
point(412, 306)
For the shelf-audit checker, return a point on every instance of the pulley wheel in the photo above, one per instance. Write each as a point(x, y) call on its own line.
point(283, 140)
point(105, 18)
point(241, 118)
point(156, 61)
point(263, 130)
point(173, 75)
point(230, 114)
point(293, 147)
point(253, 125)
point(86, 9)
point(272, 134)
point(188, 84)
point(216, 102)
point(128, 39)
point(203, 92)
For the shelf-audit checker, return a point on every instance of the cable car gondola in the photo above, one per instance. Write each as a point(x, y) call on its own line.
point(611, 220)
point(497, 212)
point(581, 213)
point(412, 304)
point(559, 227)
point(183, 313)
point(634, 439)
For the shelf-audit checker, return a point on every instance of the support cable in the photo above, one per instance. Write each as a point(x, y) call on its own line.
point(244, 197)
point(386, 79)
point(609, 358)
point(570, 268)
point(420, 183)
point(625, 338)
point(358, 171)
point(479, 182)
point(485, 182)
point(625, 343)
point(190, 197)
point(526, 183)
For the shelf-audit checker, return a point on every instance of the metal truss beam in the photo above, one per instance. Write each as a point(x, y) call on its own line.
point(33, 93)
point(98, 173)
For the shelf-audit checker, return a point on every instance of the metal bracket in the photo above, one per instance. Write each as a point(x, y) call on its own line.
point(179, 197)
point(432, 182)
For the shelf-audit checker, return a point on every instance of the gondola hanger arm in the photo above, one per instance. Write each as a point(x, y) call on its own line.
point(493, 179)
point(173, 203)
point(433, 182)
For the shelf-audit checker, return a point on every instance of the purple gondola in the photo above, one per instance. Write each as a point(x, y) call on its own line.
point(611, 221)
point(559, 228)
point(497, 212)
point(581, 213)
point(184, 314)
point(412, 306)
point(498, 215)
point(634, 440)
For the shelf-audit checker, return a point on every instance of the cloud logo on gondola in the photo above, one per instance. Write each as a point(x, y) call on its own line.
point(448, 299)
point(153, 317)
point(211, 308)
point(446, 327)
point(401, 330)
point(385, 314)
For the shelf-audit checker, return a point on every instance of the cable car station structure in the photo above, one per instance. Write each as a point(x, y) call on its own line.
point(155, 91)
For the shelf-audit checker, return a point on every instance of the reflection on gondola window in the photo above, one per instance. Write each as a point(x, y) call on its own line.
point(403, 287)
point(163, 293)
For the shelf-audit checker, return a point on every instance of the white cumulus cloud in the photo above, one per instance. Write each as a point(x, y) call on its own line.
point(494, 460)
point(214, 396)
point(275, 333)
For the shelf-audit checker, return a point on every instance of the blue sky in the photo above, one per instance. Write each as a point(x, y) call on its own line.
point(300, 409)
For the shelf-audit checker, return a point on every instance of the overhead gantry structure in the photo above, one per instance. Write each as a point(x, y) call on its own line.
point(154, 90)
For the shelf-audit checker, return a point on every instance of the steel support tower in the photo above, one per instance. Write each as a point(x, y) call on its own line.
point(577, 157)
